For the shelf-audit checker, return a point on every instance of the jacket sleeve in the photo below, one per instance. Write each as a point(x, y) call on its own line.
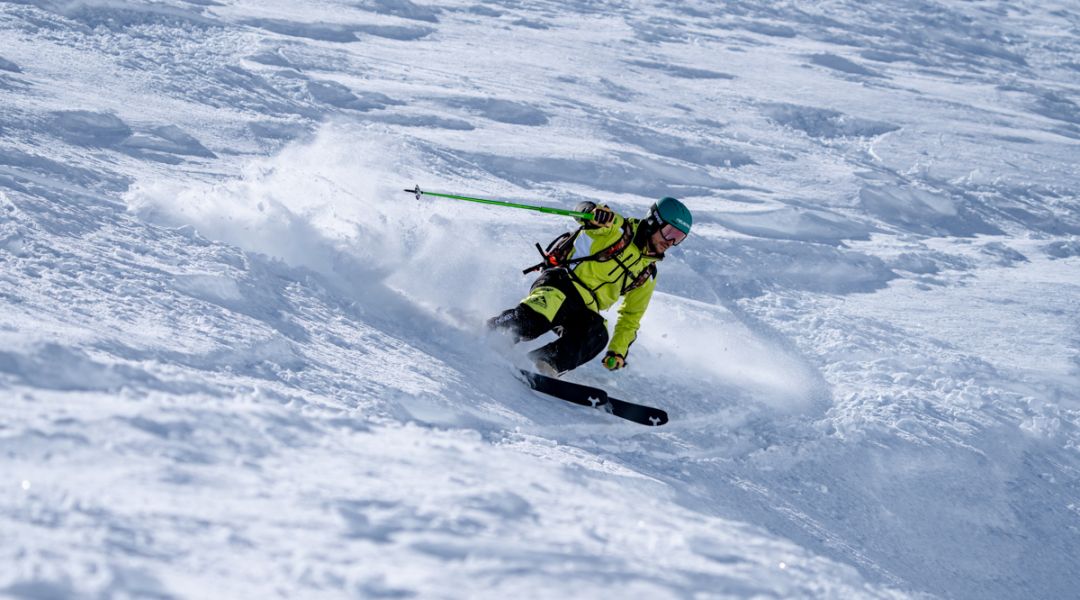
point(630, 314)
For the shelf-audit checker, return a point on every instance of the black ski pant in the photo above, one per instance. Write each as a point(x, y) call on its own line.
point(582, 332)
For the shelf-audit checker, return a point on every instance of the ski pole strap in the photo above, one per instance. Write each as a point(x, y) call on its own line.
point(544, 209)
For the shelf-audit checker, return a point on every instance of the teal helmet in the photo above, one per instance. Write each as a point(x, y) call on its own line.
point(671, 211)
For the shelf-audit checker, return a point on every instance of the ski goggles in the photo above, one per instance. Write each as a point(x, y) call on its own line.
point(672, 234)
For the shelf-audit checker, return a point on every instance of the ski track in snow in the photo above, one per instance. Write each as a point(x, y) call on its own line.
point(236, 360)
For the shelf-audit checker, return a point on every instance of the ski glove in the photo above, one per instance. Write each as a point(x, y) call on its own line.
point(614, 361)
point(602, 215)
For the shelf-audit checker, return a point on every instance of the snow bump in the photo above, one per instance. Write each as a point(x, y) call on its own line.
point(90, 128)
point(10, 67)
point(841, 64)
point(825, 123)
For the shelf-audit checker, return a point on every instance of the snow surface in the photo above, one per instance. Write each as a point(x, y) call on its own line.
point(238, 361)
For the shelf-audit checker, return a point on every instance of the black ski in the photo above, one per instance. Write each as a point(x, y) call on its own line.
point(596, 398)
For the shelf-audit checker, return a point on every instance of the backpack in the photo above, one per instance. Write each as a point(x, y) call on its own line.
point(557, 254)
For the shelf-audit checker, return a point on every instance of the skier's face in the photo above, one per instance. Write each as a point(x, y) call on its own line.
point(659, 243)
point(664, 238)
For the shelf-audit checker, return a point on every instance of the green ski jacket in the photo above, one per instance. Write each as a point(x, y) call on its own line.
point(601, 283)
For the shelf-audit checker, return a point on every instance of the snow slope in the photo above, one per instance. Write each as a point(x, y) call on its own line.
point(238, 361)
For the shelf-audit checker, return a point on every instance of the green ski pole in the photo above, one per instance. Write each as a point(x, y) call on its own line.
point(544, 209)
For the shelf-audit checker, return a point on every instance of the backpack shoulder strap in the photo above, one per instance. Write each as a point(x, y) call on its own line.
point(649, 271)
point(614, 249)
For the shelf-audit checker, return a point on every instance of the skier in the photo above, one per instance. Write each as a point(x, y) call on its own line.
point(570, 293)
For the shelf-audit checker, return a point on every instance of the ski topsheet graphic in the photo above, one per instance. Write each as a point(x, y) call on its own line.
point(596, 398)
